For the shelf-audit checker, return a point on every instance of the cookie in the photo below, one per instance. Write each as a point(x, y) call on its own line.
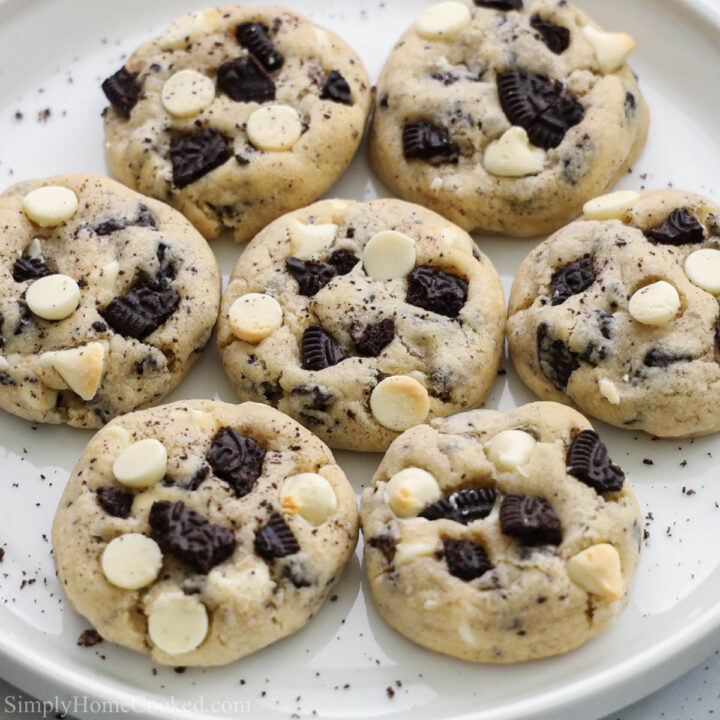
point(200, 532)
point(106, 299)
point(617, 313)
point(236, 115)
point(362, 319)
point(507, 116)
point(501, 537)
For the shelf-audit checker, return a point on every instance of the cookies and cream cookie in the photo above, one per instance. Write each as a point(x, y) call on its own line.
point(501, 537)
point(199, 532)
point(618, 313)
point(507, 116)
point(361, 320)
point(106, 299)
point(236, 115)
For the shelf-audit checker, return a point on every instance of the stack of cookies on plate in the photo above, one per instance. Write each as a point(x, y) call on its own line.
point(200, 531)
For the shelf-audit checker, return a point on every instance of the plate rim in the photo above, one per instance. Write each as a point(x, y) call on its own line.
point(685, 649)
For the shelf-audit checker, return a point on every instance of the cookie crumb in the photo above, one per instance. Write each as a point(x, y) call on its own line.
point(89, 638)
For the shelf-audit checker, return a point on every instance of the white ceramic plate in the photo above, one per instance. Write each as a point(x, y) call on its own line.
point(54, 54)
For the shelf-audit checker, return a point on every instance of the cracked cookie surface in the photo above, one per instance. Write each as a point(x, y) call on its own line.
point(617, 317)
point(511, 119)
point(228, 568)
point(236, 115)
point(103, 309)
point(486, 540)
point(375, 316)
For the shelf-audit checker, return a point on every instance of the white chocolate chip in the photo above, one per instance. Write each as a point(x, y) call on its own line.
point(608, 390)
point(274, 128)
point(436, 184)
point(389, 254)
point(408, 551)
point(53, 297)
point(457, 239)
point(510, 449)
point(187, 93)
point(399, 402)
point(322, 42)
point(50, 205)
point(444, 20)
point(410, 490)
point(254, 316)
point(131, 561)
point(513, 155)
point(703, 269)
point(202, 420)
point(34, 249)
point(184, 31)
point(80, 368)
point(611, 50)
point(466, 634)
point(655, 304)
point(121, 435)
point(309, 240)
point(177, 623)
point(597, 570)
point(610, 206)
point(243, 586)
point(108, 275)
point(4, 364)
point(309, 495)
point(142, 464)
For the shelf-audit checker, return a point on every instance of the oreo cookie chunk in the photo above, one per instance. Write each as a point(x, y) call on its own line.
point(476, 155)
point(482, 544)
point(617, 313)
point(237, 116)
point(109, 299)
point(331, 317)
point(210, 575)
point(588, 460)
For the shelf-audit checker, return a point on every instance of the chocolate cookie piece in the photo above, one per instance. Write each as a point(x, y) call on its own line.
point(436, 290)
point(343, 260)
point(115, 501)
point(141, 311)
point(312, 276)
point(254, 36)
point(30, 268)
point(530, 519)
point(556, 37)
point(463, 506)
point(275, 539)
point(681, 228)
point(543, 107)
point(122, 90)
point(319, 350)
point(373, 338)
point(336, 88)
point(588, 461)
point(572, 279)
point(144, 218)
point(424, 140)
point(657, 357)
point(465, 559)
point(244, 80)
point(195, 155)
point(500, 4)
point(236, 459)
point(189, 536)
point(556, 360)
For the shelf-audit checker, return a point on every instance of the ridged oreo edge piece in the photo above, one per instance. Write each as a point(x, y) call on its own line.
point(556, 37)
point(275, 539)
point(336, 88)
point(424, 140)
point(188, 536)
point(557, 362)
point(236, 459)
point(122, 90)
point(312, 276)
point(319, 350)
point(30, 268)
point(195, 155)
point(587, 460)
point(463, 506)
point(681, 228)
point(140, 311)
point(244, 80)
point(540, 105)
point(530, 519)
point(115, 501)
point(436, 290)
point(572, 279)
point(465, 559)
point(255, 38)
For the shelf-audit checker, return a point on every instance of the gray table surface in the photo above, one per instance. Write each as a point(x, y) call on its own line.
point(694, 696)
